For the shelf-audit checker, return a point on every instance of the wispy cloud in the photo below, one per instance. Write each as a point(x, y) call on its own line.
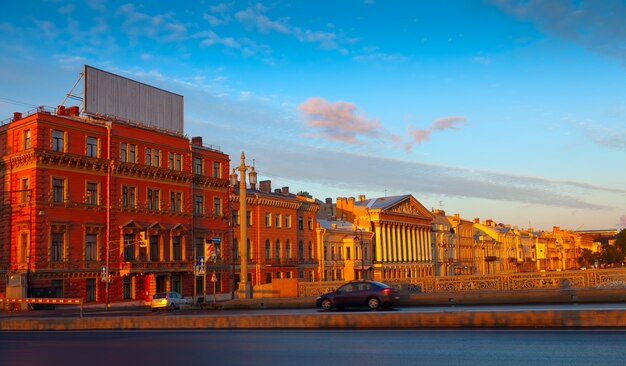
point(339, 121)
point(254, 19)
point(598, 26)
point(608, 137)
point(161, 27)
point(422, 135)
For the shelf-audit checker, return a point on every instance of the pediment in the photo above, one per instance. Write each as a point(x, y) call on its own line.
point(409, 206)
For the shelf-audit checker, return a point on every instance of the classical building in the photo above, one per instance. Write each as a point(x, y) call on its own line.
point(345, 251)
point(281, 234)
point(401, 246)
point(444, 243)
point(107, 210)
point(464, 244)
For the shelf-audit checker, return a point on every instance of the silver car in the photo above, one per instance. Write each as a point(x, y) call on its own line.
point(167, 300)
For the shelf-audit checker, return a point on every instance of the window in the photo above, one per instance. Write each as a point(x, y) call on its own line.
point(92, 147)
point(90, 290)
point(153, 199)
point(127, 287)
point(200, 284)
point(300, 250)
point(249, 218)
point(300, 223)
point(23, 251)
point(236, 248)
point(128, 197)
point(268, 219)
point(277, 218)
point(217, 207)
point(198, 207)
point(148, 156)
point(156, 160)
point(129, 247)
point(178, 164)
point(268, 249)
point(277, 249)
point(57, 289)
point(170, 160)
point(132, 158)
point(176, 201)
point(26, 143)
point(91, 253)
point(58, 140)
point(268, 277)
point(91, 193)
point(177, 248)
point(154, 248)
point(287, 250)
point(58, 190)
point(123, 152)
point(288, 221)
point(56, 247)
point(235, 217)
point(176, 284)
point(25, 190)
point(199, 243)
point(217, 170)
point(348, 253)
point(310, 254)
point(197, 166)
point(309, 223)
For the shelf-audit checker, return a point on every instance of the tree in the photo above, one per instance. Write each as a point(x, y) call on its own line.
point(620, 241)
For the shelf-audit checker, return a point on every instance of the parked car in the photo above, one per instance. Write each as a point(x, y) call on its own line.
point(167, 300)
point(371, 294)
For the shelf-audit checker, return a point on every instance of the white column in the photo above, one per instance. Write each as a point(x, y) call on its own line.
point(379, 238)
point(393, 242)
point(385, 230)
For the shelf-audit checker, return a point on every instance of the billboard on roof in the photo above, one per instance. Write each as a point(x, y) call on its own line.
point(108, 94)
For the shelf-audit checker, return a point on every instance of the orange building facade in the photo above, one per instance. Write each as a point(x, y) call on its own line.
point(108, 211)
point(281, 235)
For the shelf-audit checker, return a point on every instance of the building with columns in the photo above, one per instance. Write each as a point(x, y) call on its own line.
point(401, 246)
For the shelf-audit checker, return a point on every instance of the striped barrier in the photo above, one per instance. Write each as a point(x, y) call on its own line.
point(37, 300)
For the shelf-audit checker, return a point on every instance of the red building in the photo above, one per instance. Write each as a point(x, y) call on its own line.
point(281, 234)
point(83, 196)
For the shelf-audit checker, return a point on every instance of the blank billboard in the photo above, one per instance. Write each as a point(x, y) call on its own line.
point(107, 94)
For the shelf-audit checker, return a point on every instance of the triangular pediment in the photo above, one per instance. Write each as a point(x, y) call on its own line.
point(409, 206)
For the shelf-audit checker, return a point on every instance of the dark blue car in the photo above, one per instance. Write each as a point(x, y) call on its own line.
point(371, 294)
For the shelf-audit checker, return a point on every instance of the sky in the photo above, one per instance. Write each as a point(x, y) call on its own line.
point(507, 110)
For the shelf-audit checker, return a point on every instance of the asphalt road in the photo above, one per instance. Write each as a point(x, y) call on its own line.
point(304, 348)
point(144, 311)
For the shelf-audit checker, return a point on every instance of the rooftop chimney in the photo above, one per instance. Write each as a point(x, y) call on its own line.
point(196, 141)
point(265, 186)
point(285, 190)
point(361, 197)
point(17, 116)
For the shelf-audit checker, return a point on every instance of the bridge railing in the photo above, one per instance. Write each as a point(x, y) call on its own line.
point(597, 278)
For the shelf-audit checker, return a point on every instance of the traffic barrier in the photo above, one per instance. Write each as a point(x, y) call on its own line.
point(37, 300)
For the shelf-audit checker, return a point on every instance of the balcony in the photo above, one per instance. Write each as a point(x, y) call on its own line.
point(152, 267)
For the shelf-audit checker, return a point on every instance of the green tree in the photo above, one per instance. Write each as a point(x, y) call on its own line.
point(620, 241)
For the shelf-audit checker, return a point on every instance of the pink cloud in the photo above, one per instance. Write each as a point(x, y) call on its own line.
point(422, 135)
point(338, 121)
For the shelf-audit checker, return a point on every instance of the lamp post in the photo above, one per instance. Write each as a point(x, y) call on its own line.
point(245, 289)
point(360, 240)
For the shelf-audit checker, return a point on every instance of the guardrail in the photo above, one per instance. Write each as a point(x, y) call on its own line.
point(36, 300)
point(596, 278)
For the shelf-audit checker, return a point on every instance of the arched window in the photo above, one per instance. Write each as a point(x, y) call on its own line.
point(300, 250)
point(277, 249)
point(287, 250)
point(268, 249)
point(310, 250)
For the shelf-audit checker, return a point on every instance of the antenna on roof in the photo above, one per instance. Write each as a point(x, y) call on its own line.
point(441, 205)
point(69, 95)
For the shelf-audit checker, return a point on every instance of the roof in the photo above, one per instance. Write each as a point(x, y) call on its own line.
point(382, 202)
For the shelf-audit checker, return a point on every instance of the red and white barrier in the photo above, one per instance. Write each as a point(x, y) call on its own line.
point(37, 300)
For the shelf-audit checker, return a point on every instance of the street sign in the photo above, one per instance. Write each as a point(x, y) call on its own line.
point(213, 278)
point(216, 239)
point(103, 273)
point(200, 270)
point(201, 260)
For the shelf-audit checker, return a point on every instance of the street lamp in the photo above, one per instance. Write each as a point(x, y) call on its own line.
point(245, 289)
point(360, 240)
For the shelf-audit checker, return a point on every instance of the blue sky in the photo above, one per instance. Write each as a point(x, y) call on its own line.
point(508, 110)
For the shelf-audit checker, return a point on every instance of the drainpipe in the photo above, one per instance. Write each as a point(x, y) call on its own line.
point(108, 209)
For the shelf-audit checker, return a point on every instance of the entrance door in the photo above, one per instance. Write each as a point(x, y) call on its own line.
point(161, 284)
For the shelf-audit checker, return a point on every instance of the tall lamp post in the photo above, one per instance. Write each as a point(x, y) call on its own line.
point(360, 240)
point(245, 288)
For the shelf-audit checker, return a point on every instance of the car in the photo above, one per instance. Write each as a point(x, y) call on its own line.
point(364, 293)
point(167, 300)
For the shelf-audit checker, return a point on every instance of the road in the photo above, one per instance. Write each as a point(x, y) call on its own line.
point(142, 311)
point(304, 348)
